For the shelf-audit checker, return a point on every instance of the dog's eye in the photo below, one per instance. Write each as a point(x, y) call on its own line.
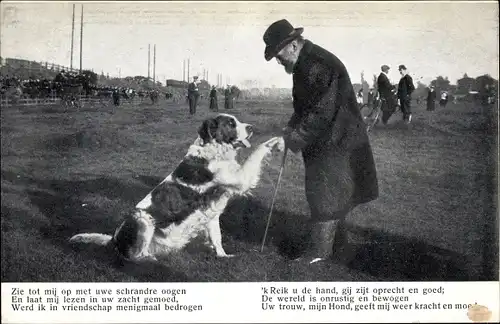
point(232, 123)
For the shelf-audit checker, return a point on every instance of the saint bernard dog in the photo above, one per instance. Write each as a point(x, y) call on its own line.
point(190, 200)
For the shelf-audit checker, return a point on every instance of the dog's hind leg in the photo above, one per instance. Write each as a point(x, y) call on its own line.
point(145, 231)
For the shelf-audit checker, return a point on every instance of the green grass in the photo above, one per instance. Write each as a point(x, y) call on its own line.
point(65, 172)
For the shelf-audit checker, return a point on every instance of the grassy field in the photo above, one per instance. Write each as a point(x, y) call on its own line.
point(80, 171)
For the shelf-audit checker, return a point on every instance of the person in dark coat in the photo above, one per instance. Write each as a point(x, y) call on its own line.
point(228, 98)
point(405, 89)
point(371, 98)
point(214, 105)
point(116, 97)
point(328, 129)
point(385, 89)
point(193, 95)
point(431, 99)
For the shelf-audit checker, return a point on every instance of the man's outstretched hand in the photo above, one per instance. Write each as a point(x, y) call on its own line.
point(287, 130)
point(293, 142)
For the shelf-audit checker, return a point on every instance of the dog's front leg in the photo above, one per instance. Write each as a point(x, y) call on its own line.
point(246, 177)
point(216, 238)
point(251, 169)
point(206, 239)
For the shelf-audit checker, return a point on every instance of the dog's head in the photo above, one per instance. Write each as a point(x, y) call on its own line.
point(226, 129)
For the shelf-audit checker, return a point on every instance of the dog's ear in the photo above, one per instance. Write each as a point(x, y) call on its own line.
point(208, 130)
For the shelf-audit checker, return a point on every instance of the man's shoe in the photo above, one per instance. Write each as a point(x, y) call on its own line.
point(322, 238)
point(345, 254)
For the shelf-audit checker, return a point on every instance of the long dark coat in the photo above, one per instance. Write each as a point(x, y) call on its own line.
point(214, 105)
point(228, 99)
point(431, 100)
point(330, 132)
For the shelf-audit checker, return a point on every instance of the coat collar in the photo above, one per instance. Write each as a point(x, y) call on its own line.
point(304, 53)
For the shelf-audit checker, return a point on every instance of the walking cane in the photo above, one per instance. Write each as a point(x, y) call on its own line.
point(274, 198)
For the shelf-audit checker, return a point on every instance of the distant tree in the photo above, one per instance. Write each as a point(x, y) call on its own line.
point(90, 76)
point(235, 91)
point(485, 80)
point(465, 84)
point(420, 91)
point(441, 84)
point(140, 79)
point(364, 85)
point(204, 85)
point(248, 84)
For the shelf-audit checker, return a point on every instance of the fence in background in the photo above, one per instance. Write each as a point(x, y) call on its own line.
point(34, 66)
point(55, 101)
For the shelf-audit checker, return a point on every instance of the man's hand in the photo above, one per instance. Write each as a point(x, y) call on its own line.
point(293, 141)
point(287, 130)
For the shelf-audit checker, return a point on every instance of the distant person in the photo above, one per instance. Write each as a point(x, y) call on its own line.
point(487, 94)
point(228, 98)
point(431, 99)
point(359, 97)
point(385, 90)
point(491, 93)
point(60, 77)
point(405, 89)
point(329, 132)
point(214, 105)
point(444, 99)
point(371, 97)
point(116, 96)
point(193, 95)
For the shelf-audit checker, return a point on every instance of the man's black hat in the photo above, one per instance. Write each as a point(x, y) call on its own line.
point(401, 67)
point(278, 35)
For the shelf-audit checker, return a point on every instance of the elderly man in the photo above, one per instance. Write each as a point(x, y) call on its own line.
point(328, 129)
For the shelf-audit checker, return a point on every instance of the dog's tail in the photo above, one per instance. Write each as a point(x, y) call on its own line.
point(92, 238)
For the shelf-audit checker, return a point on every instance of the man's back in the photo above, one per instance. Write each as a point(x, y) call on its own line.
point(384, 85)
point(314, 68)
point(322, 87)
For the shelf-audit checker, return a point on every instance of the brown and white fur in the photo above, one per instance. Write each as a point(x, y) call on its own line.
point(190, 200)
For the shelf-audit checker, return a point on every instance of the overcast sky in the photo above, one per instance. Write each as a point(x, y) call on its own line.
point(429, 38)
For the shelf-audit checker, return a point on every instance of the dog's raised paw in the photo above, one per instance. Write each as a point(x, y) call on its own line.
point(280, 146)
point(275, 142)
